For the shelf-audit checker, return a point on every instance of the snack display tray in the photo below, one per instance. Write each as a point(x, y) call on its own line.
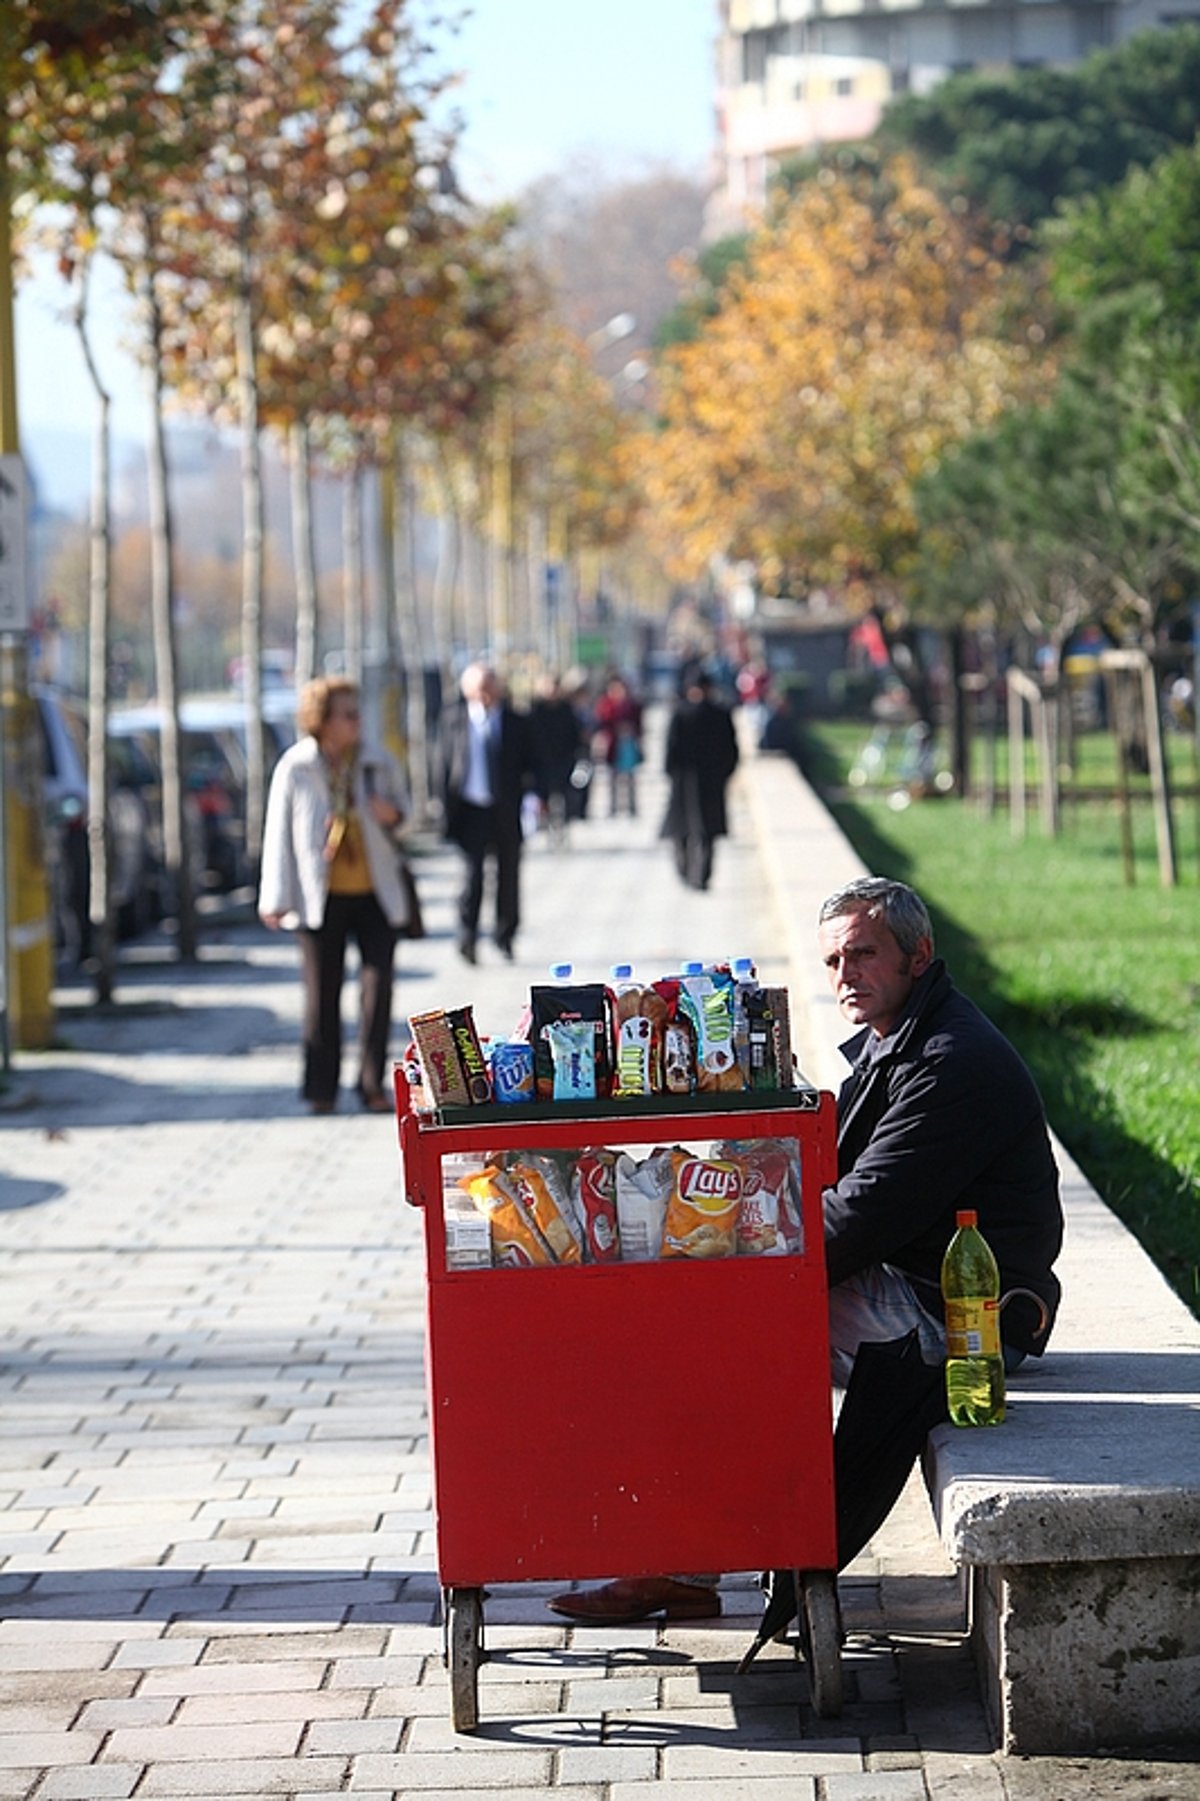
point(634, 1106)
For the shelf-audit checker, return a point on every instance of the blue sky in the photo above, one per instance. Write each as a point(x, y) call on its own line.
point(543, 81)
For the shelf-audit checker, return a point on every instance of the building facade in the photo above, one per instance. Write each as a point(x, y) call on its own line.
point(794, 74)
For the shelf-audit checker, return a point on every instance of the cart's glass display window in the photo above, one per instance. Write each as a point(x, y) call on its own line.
point(622, 1203)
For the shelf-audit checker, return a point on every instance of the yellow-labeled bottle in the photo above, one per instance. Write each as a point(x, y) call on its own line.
point(971, 1294)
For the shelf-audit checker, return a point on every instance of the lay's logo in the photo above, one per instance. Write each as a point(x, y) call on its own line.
point(711, 1184)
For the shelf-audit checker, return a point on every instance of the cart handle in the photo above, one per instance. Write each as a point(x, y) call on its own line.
point(407, 1121)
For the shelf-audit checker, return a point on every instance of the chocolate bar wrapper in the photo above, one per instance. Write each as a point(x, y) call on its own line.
point(445, 1077)
point(781, 1032)
point(471, 1059)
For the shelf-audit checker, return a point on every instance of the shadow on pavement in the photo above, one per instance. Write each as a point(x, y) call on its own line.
point(17, 1192)
point(67, 1097)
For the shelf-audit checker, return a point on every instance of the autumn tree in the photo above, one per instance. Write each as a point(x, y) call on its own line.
point(866, 333)
point(72, 77)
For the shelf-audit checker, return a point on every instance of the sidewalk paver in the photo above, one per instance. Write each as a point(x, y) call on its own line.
point(217, 1572)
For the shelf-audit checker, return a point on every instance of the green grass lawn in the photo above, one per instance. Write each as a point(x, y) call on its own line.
point(1097, 982)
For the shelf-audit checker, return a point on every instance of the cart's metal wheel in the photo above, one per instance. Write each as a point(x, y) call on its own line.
point(464, 1654)
point(821, 1633)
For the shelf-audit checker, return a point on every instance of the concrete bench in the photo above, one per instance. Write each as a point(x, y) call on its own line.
point(1077, 1522)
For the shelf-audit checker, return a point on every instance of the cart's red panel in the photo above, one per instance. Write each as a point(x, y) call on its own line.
point(633, 1417)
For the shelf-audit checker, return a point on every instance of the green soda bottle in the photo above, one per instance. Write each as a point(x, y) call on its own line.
point(971, 1293)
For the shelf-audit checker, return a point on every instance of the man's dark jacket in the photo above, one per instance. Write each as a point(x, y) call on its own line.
point(702, 754)
point(944, 1115)
point(514, 764)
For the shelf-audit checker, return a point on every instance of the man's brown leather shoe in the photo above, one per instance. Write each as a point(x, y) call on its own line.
point(637, 1598)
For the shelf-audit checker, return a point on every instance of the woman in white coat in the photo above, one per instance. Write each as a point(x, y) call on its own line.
point(330, 872)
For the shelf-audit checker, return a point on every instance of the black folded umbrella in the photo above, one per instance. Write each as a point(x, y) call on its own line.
point(893, 1401)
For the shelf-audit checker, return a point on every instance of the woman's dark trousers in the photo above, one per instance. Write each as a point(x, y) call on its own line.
point(323, 955)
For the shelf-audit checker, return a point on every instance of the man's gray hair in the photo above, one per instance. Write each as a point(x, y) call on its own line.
point(901, 909)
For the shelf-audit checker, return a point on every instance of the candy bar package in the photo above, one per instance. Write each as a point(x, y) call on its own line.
point(561, 1060)
point(760, 1039)
point(445, 1078)
point(781, 1036)
point(470, 1055)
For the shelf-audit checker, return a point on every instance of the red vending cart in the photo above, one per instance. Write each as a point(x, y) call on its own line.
point(628, 1418)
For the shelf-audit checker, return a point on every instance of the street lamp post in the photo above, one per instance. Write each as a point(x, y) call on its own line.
point(26, 947)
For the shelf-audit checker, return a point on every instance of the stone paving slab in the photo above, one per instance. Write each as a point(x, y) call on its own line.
point(216, 1540)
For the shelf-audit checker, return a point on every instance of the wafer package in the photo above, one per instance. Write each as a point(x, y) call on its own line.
point(452, 1059)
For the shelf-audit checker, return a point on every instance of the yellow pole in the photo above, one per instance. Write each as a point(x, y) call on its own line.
point(28, 949)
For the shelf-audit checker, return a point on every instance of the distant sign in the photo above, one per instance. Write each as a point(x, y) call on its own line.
point(593, 649)
point(14, 589)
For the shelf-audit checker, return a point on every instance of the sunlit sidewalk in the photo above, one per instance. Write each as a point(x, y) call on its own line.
point(219, 1574)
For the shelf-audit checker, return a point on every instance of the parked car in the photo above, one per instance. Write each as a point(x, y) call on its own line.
point(65, 801)
point(213, 752)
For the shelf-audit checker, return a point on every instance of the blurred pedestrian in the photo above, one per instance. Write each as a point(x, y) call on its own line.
point(781, 731)
point(617, 743)
point(577, 690)
point(331, 872)
point(558, 744)
point(485, 764)
point(754, 693)
point(702, 754)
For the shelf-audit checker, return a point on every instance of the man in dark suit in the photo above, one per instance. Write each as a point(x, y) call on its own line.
point(702, 754)
point(485, 761)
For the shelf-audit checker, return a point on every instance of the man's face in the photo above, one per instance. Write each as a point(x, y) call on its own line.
point(870, 975)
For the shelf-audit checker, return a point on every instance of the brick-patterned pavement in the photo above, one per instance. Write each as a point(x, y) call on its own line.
point(217, 1572)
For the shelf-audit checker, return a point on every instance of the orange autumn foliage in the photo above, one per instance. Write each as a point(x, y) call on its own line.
point(866, 331)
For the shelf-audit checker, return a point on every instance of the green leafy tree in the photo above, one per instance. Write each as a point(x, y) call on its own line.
point(1016, 145)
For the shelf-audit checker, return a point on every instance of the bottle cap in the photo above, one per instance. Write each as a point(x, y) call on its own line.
point(967, 1217)
point(693, 969)
point(561, 972)
point(621, 972)
point(743, 966)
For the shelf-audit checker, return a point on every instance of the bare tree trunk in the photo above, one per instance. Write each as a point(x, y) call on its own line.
point(252, 565)
point(408, 626)
point(446, 633)
point(162, 604)
point(501, 474)
point(304, 555)
point(352, 562)
point(100, 912)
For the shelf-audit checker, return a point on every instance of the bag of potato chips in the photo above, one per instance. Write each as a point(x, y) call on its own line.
point(703, 1207)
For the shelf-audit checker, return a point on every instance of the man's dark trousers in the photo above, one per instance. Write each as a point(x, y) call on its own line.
point(482, 832)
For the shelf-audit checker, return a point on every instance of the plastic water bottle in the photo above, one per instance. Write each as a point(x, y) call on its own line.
point(971, 1293)
point(742, 970)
